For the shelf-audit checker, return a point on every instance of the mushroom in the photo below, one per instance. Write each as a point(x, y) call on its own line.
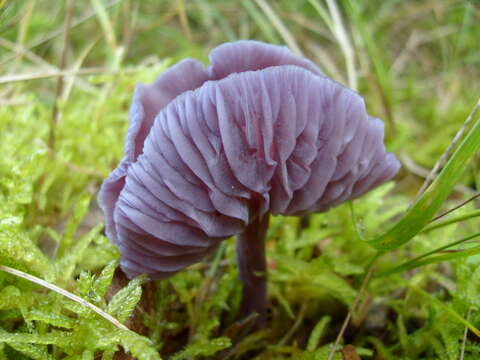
point(212, 152)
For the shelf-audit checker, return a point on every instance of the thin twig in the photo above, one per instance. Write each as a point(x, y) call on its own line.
point(65, 293)
point(352, 309)
point(60, 82)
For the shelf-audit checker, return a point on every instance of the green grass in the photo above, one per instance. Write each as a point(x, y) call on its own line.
point(409, 286)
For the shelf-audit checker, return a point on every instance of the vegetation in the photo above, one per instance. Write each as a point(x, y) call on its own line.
point(404, 280)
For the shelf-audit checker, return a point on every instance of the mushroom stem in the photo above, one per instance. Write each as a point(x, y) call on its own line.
point(253, 270)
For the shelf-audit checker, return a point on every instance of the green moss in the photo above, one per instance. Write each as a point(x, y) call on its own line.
point(416, 64)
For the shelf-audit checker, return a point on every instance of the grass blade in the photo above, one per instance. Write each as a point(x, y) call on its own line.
point(65, 293)
point(424, 209)
point(449, 310)
point(454, 220)
point(417, 261)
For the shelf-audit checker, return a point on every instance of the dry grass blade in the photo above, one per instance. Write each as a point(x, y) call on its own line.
point(24, 25)
point(411, 166)
point(106, 24)
point(416, 40)
point(21, 51)
point(60, 82)
point(326, 62)
point(341, 34)
point(65, 293)
point(34, 58)
point(58, 32)
point(278, 24)
point(54, 74)
point(69, 81)
point(182, 14)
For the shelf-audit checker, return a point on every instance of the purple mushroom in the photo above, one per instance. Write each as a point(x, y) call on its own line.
point(212, 152)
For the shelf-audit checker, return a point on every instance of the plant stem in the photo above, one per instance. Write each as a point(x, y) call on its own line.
point(253, 270)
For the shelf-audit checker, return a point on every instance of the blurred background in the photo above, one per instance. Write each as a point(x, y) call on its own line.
point(415, 61)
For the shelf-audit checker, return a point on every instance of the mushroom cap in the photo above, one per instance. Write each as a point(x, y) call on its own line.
point(209, 150)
